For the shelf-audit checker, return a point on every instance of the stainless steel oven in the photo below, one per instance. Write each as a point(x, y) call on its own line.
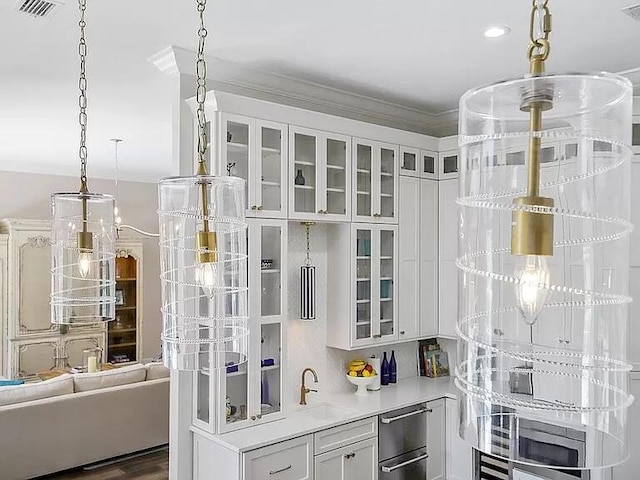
point(402, 449)
point(542, 443)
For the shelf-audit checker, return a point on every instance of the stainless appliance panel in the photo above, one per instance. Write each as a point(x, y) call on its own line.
point(402, 431)
point(410, 466)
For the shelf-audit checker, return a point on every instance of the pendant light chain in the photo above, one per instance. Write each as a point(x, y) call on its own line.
point(201, 90)
point(539, 30)
point(308, 259)
point(82, 100)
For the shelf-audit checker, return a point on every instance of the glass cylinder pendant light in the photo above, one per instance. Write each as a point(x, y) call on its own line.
point(308, 283)
point(83, 236)
point(544, 265)
point(203, 257)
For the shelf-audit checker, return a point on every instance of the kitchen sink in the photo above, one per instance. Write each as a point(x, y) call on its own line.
point(323, 411)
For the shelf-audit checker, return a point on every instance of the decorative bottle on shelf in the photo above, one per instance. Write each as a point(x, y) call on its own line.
point(299, 178)
point(385, 370)
point(393, 368)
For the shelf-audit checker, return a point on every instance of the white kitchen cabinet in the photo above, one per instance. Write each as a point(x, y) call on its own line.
point(254, 389)
point(410, 162)
point(363, 271)
point(436, 439)
point(458, 453)
point(256, 150)
point(629, 469)
point(417, 256)
point(448, 164)
point(375, 182)
point(358, 461)
point(289, 460)
point(409, 228)
point(428, 239)
point(319, 175)
point(448, 249)
point(429, 164)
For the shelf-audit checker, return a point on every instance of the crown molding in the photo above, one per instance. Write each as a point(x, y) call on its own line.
point(235, 78)
point(239, 79)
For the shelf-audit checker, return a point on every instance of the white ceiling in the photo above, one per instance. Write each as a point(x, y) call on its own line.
point(416, 53)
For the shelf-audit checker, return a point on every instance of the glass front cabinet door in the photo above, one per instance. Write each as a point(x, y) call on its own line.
point(375, 183)
point(251, 393)
point(374, 305)
point(256, 150)
point(319, 173)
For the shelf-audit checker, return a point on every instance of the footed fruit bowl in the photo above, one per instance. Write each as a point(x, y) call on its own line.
point(361, 383)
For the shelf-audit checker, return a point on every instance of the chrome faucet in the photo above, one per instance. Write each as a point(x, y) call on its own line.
point(304, 390)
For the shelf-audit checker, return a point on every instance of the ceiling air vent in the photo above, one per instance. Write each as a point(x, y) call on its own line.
point(39, 8)
point(633, 11)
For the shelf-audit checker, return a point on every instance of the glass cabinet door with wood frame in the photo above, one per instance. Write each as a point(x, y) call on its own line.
point(268, 269)
point(270, 192)
point(337, 184)
point(386, 278)
point(122, 333)
point(303, 173)
point(363, 180)
point(388, 184)
point(410, 161)
point(363, 286)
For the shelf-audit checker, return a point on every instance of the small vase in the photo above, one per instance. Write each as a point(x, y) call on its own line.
point(299, 178)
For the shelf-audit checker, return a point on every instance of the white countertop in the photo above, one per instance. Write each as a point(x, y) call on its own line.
point(348, 407)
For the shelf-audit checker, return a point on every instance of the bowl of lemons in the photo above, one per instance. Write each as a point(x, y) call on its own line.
point(361, 374)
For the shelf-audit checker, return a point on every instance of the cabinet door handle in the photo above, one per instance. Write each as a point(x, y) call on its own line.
point(379, 335)
point(260, 207)
point(350, 455)
point(429, 410)
point(402, 332)
point(254, 207)
point(273, 472)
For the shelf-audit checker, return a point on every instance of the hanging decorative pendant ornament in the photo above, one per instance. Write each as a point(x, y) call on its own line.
point(203, 257)
point(308, 283)
point(83, 236)
point(544, 264)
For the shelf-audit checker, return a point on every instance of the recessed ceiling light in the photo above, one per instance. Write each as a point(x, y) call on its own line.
point(497, 31)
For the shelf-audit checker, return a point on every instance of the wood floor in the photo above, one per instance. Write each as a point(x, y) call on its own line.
point(151, 466)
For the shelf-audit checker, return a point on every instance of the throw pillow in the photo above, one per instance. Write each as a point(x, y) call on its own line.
point(54, 387)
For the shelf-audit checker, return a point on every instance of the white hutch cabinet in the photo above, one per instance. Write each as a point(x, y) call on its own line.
point(33, 344)
point(251, 393)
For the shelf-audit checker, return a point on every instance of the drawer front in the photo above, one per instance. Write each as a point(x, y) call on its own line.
point(290, 460)
point(402, 431)
point(347, 434)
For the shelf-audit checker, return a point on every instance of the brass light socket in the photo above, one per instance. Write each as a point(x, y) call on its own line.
point(85, 242)
point(532, 233)
point(207, 246)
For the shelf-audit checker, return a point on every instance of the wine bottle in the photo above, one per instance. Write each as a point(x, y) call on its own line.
point(393, 368)
point(385, 370)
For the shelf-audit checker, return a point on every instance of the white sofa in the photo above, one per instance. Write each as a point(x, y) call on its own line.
point(82, 419)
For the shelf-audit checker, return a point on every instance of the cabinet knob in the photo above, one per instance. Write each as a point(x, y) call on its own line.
point(429, 410)
point(402, 332)
point(379, 335)
point(260, 207)
point(253, 417)
point(350, 455)
point(259, 416)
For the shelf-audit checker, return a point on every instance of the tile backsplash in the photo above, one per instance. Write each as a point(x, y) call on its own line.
point(306, 340)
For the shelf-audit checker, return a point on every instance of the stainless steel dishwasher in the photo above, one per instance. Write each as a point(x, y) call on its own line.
point(402, 444)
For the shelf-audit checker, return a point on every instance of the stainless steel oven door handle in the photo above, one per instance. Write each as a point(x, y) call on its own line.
point(403, 464)
point(400, 417)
